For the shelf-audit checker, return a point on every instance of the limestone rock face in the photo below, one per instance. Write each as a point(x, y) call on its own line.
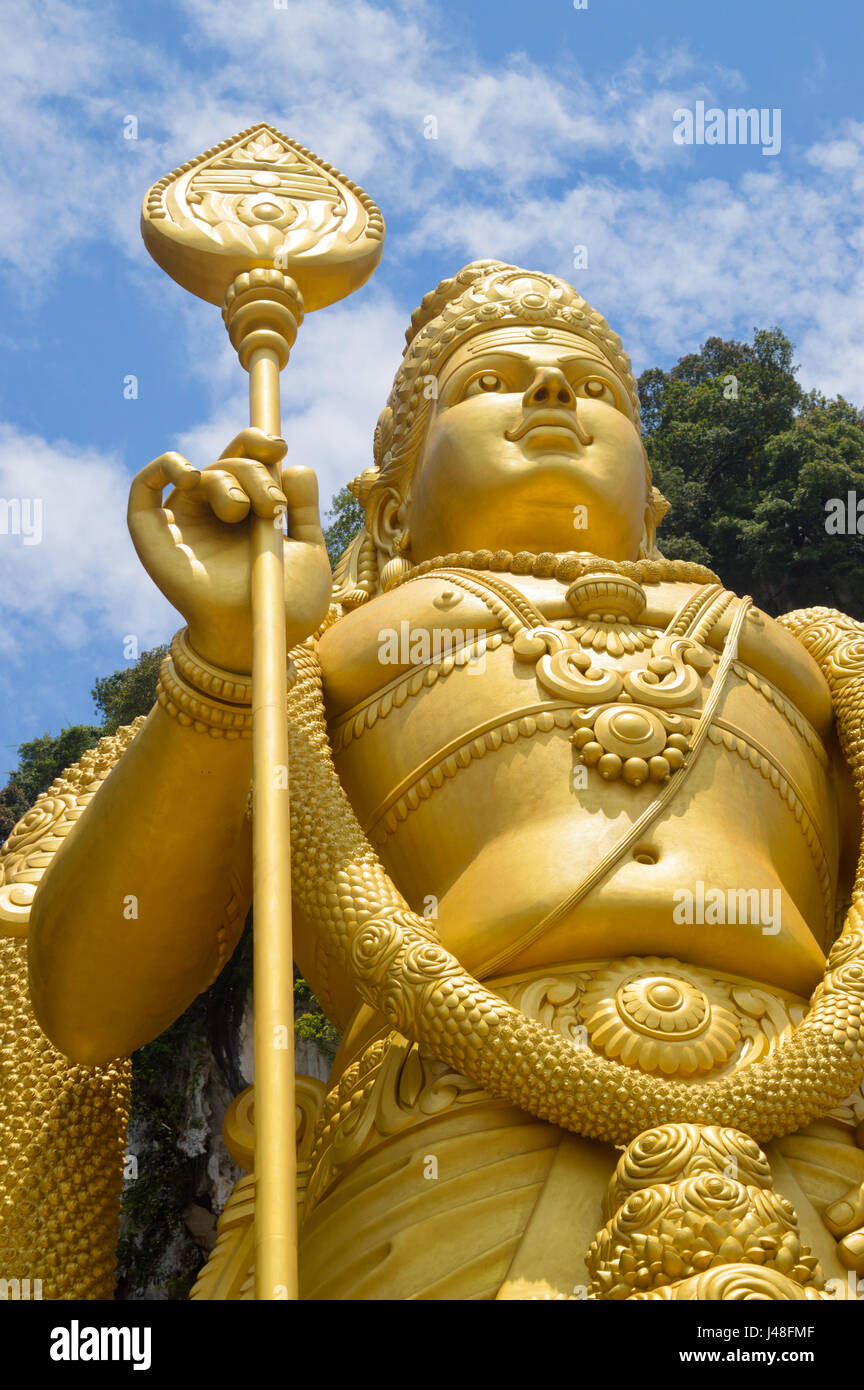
point(179, 1173)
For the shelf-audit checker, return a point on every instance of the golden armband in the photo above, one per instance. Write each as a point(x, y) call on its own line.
point(203, 696)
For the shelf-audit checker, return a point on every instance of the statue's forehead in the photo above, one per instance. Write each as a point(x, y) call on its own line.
point(524, 337)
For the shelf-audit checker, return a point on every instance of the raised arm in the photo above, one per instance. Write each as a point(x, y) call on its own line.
point(145, 899)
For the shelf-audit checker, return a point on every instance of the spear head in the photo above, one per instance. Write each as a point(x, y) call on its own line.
point(261, 201)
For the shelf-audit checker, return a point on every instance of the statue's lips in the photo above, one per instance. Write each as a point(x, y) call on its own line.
point(557, 425)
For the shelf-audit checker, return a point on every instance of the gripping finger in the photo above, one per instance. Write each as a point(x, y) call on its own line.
point(253, 443)
point(171, 469)
point(224, 494)
point(256, 481)
point(300, 487)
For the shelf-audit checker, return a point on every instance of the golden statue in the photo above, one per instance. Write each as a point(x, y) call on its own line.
point(573, 831)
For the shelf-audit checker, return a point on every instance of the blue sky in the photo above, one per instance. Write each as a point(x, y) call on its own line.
point(554, 129)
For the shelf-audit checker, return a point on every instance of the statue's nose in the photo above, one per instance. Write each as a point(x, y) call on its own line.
point(550, 388)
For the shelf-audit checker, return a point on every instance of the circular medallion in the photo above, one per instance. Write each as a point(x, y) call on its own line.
point(659, 1019)
point(630, 732)
point(257, 209)
point(661, 1005)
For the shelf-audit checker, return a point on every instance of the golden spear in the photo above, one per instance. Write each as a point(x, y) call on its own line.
point(263, 227)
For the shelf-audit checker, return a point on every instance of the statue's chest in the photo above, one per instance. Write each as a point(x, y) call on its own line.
point(553, 699)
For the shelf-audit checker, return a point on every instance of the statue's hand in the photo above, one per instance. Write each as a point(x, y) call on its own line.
point(196, 545)
point(845, 1220)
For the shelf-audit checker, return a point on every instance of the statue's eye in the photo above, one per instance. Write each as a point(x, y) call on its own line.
point(489, 381)
point(596, 389)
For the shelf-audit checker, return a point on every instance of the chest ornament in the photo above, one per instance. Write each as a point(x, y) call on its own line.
point(630, 743)
point(631, 728)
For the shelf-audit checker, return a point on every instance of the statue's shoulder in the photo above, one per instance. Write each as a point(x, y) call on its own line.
point(772, 648)
point(371, 645)
point(41, 831)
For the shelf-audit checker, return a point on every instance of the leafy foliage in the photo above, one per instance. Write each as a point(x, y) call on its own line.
point(13, 804)
point(311, 1023)
point(343, 521)
point(120, 697)
point(131, 691)
point(43, 759)
point(748, 461)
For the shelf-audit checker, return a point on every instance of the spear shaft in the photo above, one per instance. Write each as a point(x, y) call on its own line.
point(214, 224)
point(273, 978)
point(262, 311)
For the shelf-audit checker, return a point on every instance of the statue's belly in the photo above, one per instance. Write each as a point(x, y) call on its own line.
point(467, 789)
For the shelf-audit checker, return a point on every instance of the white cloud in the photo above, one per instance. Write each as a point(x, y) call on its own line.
point(705, 255)
point(844, 157)
point(720, 258)
point(355, 83)
point(82, 582)
point(369, 76)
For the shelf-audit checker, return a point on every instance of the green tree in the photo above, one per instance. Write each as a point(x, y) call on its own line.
point(343, 521)
point(130, 691)
point(13, 804)
point(748, 461)
point(120, 697)
point(42, 759)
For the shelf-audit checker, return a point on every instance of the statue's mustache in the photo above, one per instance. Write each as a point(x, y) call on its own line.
point(563, 419)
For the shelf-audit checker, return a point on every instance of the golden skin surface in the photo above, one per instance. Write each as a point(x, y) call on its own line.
point(477, 848)
point(522, 433)
point(508, 838)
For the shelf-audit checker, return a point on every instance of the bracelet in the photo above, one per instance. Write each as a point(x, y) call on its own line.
point(205, 678)
point(198, 711)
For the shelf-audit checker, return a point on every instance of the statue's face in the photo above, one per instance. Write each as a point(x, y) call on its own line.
point(532, 445)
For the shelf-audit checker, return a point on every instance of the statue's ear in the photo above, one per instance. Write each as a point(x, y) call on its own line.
point(385, 518)
point(661, 506)
point(383, 521)
point(656, 507)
